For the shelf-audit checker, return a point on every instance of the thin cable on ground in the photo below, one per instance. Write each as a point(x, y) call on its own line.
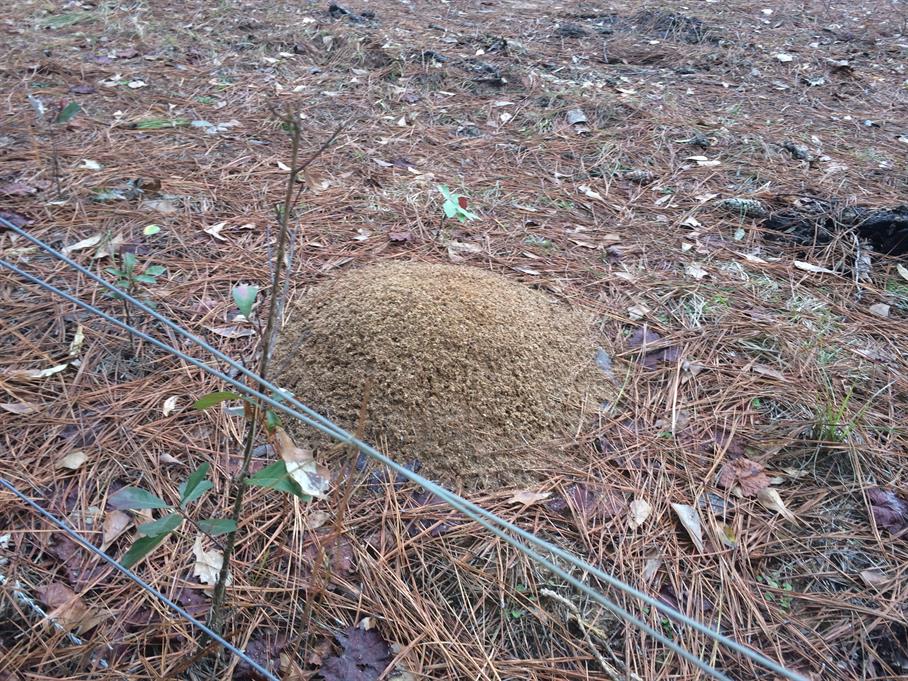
point(75, 536)
point(322, 424)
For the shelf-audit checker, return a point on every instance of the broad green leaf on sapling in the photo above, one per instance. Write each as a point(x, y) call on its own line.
point(140, 549)
point(155, 270)
point(194, 480)
point(214, 398)
point(196, 494)
point(151, 230)
point(244, 297)
point(67, 112)
point(275, 477)
point(217, 526)
point(161, 526)
point(272, 420)
point(145, 279)
point(134, 499)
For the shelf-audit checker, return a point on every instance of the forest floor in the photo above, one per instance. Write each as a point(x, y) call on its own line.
point(689, 174)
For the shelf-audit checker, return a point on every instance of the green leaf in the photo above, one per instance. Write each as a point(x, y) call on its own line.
point(203, 487)
point(114, 271)
point(214, 398)
point(68, 112)
point(450, 209)
point(63, 20)
point(464, 215)
point(195, 478)
point(155, 270)
point(446, 193)
point(244, 297)
point(135, 498)
point(129, 262)
point(161, 526)
point(275, 477)
point(140, 549)
point(145, 279)
point(272, 420)
point(151, 230)
point(161, 123)
point(217, 526)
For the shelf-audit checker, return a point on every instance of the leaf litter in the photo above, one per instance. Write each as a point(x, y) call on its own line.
point(749, 310)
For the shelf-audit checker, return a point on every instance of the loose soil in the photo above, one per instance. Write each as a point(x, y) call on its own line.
point(460, 369)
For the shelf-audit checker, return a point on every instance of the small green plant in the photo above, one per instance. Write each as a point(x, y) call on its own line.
point(786, 587)
point(65, 113)
point(155, 532)
point(129, 277)
point(455, 205)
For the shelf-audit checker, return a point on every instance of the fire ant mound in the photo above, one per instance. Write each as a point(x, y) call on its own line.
point(459, 369)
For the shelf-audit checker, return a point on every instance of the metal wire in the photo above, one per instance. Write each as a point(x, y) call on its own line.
point(322, 424)
point(75, 536)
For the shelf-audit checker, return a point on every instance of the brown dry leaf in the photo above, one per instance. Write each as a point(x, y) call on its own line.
point(770, 499)
point(109, 248)
point(316, 519)
point(73, 461)
point(877, 579)
point(20, 408)
point(747, 474)
point(215, 231)
point(313, 479)
point(207, 563)
point(640, 510)
point(527, 497)
point(727, 535)
point(691, 520)
point(32, 374)
point(90, 242)
point(115, 524)
point(764, 370)
point(808, 267)
point(231, 332)
point(67, 609)
point(653, 563)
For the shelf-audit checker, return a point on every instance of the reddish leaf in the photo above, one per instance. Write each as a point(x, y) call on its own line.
point(17, 189)
point(17, 219)
point(744, 472)
point(644, 337)
point(264, 650)
point(364, 656)
point(590, 501)
point(890, 511)
point(462, 202)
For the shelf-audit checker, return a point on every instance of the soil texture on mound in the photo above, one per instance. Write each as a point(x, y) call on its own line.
point(459, 369)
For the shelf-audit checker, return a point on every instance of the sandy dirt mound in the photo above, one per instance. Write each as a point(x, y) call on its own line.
point(460, 369)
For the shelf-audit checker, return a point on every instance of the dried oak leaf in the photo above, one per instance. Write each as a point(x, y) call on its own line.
point(364, 656)
point(643, 337)
point(264, 650)
point(890, 511)
point(747, 474)
point(590, 501)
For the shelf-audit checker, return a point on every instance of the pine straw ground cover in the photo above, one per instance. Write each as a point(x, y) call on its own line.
point(747, 357)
